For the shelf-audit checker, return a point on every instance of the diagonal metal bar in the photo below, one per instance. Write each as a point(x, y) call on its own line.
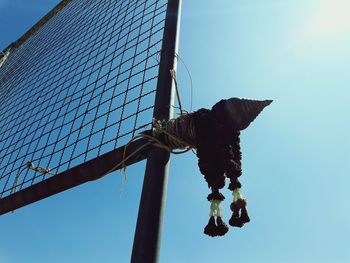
point(39, 24)
point(91, 170)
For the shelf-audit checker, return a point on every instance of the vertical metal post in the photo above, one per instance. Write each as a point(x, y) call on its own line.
point(149, 222)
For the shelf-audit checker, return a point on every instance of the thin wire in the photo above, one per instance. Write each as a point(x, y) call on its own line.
point(173, 75)
point(189, 75)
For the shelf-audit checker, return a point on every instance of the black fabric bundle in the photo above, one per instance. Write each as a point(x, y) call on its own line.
point(219, 155)
point(215, 135)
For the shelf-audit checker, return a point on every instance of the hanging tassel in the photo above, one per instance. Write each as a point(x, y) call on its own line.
point(210, 228)
point(221, 228)
point(239, 211)
point(218, 228)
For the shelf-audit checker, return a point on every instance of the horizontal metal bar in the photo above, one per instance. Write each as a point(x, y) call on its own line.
point(91, 170)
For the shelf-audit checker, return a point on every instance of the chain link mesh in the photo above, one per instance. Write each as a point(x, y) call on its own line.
point(80, 86)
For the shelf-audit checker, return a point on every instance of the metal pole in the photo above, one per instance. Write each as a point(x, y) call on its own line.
point(149, 222)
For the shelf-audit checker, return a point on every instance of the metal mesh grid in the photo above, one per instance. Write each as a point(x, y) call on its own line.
point(81, 86)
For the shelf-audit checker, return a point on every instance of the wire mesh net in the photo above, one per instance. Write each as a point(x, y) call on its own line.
point(81, 86)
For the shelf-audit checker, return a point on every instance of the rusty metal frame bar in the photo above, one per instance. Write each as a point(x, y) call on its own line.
point(89, 171)
point(38, 25)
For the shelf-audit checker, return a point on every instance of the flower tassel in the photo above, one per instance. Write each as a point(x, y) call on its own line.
point(239, 210)
point(218, 228)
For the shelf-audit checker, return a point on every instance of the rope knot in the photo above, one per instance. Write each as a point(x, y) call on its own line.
point(176, 133)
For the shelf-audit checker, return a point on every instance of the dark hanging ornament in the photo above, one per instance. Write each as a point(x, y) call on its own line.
point(222, 228)
point(210, 228)
point(218, 228)
point(218, 149)
point(215, 135)
point(239, 211)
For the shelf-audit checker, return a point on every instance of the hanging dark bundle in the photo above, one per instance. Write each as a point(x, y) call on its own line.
point(215, 135)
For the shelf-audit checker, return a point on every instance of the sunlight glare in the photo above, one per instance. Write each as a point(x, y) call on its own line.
point(327, 26)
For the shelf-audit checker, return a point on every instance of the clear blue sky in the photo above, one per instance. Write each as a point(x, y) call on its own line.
point(295, 155)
